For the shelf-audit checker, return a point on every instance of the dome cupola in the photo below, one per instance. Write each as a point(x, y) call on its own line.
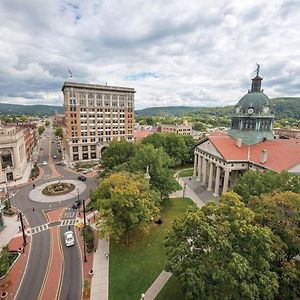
point(253, 116)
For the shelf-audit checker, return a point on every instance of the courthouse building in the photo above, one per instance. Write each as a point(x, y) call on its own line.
point(250, 144)
point(95, 115)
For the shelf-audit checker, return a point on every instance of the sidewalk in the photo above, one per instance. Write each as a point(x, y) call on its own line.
point(10, 230)
point(23, 180)
point(99, 287)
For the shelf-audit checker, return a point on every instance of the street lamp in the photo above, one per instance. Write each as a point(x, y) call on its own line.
point(84, 230)
point(23, 229)
point(22, 225)
point(183, 190)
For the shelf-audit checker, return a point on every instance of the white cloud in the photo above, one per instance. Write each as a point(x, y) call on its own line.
point(171, 52)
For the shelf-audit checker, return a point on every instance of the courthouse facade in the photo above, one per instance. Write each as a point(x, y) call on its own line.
point(249, 145)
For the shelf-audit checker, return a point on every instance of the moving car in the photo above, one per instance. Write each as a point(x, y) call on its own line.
point(69, 238)
point(54, 156)
point(82, 178)
point(44, 163)
point(77, 204)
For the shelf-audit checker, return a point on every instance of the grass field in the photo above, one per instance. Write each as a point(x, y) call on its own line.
point(186, 173)
point(132, 270)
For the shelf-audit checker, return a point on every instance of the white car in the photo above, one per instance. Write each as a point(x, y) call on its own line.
point(69, 238)
point(44, 163)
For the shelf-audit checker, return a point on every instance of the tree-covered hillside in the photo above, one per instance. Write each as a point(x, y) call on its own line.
point(32, 110)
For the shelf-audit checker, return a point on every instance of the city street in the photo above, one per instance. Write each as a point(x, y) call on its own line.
point(49, 258)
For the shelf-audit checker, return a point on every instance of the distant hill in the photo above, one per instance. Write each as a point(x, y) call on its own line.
point(284, 107)
point(166, 111)
point(41, 110)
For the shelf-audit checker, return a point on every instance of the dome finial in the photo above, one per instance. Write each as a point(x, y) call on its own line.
point(257, 69)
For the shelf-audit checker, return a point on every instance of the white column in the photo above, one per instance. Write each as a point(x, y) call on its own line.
point(217, 182)
point(211, 169)
point(195, 164)
point(199, 167)
point(204, 171)
point(225, 184)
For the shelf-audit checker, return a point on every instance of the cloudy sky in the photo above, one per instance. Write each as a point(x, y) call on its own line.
point(179, 52)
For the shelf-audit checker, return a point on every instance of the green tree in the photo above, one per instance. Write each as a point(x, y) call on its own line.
point(59, 132)
point(117, 153)
point(126, 204)
point(199, 126)
point(257, 183)
point(161, 177)
point(218, 253)
point(4, 261)
point(178, 147)
point(47, 123)
point(281, 213)
point(41, 129)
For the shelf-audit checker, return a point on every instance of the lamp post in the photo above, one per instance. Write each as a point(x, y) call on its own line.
point(183, 190)
point(23, 231)
point(84, 230)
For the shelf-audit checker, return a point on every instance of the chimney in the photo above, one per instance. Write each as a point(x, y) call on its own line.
point(239, 143)
point(263, 156)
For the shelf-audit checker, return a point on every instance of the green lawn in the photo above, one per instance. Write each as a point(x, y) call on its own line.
point(186, 173)
point(171, 290)
point(133, 270)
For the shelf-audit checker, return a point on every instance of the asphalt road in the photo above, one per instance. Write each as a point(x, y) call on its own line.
point(31, 285)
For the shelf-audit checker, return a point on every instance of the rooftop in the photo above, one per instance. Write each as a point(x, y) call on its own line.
point(282, 154)
point(97, 87)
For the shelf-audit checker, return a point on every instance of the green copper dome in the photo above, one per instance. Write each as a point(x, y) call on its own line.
point(256, 100)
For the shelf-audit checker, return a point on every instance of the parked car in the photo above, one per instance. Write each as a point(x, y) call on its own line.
point(59, 163)
point(81, 178)
point(44, 163)
point(69, 238)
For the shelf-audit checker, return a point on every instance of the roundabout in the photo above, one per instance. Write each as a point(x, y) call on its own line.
point(57, 191)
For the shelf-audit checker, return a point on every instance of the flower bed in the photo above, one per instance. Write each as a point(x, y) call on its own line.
point(58, 188)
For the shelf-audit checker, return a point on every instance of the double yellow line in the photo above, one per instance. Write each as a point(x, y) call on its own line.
point(49, 263)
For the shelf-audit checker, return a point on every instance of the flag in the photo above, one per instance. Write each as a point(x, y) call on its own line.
point(71, 75)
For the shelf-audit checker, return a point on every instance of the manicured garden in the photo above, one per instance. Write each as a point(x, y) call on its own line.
point(7, 258)
point(132, 270)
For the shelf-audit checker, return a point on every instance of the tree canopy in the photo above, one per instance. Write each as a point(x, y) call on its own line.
point(125, 204)
point(59, 132)
point(117, 153)
point(178, 147)
point(281, 213)
point(257, 183)
point(161, 177)
point(217, 252)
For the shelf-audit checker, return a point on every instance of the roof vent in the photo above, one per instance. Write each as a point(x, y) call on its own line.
point(239, 142)
point(263, 156)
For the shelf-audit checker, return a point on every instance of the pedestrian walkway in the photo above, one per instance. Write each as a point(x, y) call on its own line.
point(187, 192)
point(10, 230)
point(157, 285)
point(24, 179)
point(99, 287)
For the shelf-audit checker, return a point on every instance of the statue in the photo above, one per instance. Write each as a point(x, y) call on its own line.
point(257, 70)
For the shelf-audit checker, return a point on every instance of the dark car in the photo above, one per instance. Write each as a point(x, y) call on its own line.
point(82, 178)
point(77, 204)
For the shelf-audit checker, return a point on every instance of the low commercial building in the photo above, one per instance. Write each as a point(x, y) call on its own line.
point(182, 129)
point(287, 133)
point(13, 158)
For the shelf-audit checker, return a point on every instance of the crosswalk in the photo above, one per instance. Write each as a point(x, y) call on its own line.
point(44, 227)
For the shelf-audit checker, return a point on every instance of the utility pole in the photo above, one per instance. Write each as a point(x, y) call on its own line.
point(23, 232)
point(84, 218)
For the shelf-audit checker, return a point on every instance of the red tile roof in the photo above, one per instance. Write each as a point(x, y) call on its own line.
point(141, 134)
point(282, 154)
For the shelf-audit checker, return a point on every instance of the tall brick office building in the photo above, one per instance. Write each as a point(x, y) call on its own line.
point(95, 115)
